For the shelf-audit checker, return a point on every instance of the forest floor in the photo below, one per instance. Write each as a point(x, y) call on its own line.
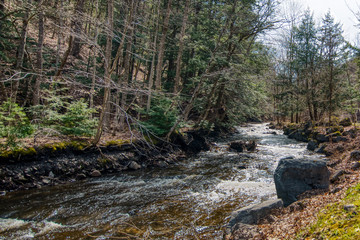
point(294, 221)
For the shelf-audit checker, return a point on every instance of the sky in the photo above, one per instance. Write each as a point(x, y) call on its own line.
point(341, 10)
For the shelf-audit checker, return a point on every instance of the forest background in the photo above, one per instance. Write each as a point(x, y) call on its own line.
point(148, 68)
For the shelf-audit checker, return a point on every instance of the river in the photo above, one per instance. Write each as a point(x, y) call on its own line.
point(189, 200)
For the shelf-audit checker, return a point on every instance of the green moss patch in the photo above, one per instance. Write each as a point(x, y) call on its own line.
point(117, 142)
point(336, 221)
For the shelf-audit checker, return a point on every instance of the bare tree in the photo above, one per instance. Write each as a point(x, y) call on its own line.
point(39, 55)
point(77, 27)
point(162, 47)
point(181, 47)
point(107, 75)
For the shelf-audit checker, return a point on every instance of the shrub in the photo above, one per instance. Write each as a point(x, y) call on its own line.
point(161, 117)
point(14, 124)
point(77, 120)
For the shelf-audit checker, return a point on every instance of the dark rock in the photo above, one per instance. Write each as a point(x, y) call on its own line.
point(340, 148)
point(80, 176)
point(345, 122)
point(95, 173)
point(296, 206)
point(336, 176)
point(272, 133)
point(192, 142)
point(251, 146)
point(321, 149)
point(272, 126)
point(308, 125)
point(351, 133)
point(134, 165)
point(335, 129)
point(355, 155)
point(335, 190)
point(339, 139)
point(312, 145)
point(238, 146)
point(296, 176)
point(299, 135)
point(252, 214)
point(321, 138)
point(241, 167)
point(355, 166)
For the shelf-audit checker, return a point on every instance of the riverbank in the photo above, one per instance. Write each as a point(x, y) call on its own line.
point(56, 163)
point(295, 221)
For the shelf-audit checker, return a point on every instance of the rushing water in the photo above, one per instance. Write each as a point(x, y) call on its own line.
point(189, 200)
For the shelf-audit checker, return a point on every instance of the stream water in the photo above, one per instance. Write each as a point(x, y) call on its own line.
point(189, 200)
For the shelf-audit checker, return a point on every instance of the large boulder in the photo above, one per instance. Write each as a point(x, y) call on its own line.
point(298, 135)
point(296, 176)
point(253, 213)
point(238, 146)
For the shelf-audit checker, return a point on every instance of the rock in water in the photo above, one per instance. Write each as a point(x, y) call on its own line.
point(251, 146)
point(134, 165)
point(253, 213)
point(95, 173)
point(296, 176)
point(238, 146)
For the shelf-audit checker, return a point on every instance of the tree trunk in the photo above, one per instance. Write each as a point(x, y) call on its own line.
point(127, 73)
point(107, 75)
point(21, 48)
point(92, 90)
point(39, 58)
point(77, 28)
point(59, 35)
point(181, 48)
point(65, 57)
point(118, 62)
point(331, 89)
point(162, 47)
point(152, 66)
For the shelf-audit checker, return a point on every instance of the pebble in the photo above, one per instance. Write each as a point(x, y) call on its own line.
point(95, 173)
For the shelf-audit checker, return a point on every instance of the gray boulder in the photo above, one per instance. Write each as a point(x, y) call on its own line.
point(253, 213)
point(296, 176)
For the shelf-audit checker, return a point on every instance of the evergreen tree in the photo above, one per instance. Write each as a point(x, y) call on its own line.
point(332, 46)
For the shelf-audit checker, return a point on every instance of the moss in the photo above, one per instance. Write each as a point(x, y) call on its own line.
point(151, 140)
point(56, 146)
point(18, 152)
point(78, 145)
point(117, 142)
point(6, 153)
point(334, 222)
